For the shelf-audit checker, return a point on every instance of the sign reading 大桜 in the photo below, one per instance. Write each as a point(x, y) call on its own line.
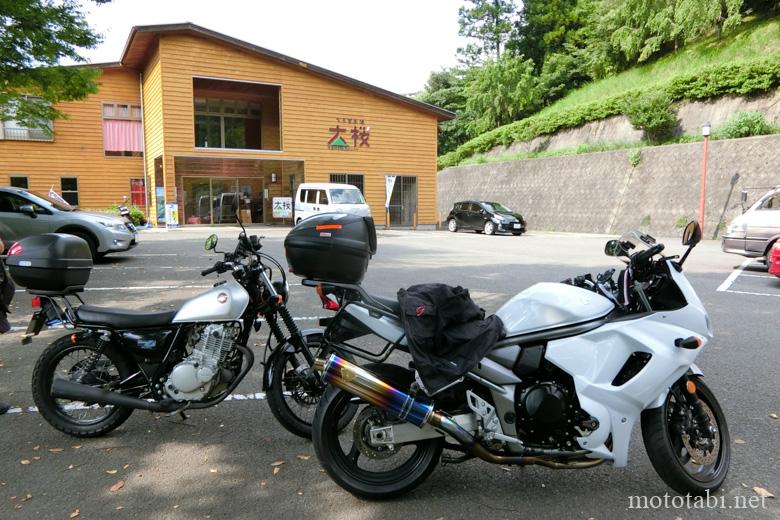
point(282, 207)
point(350, 133)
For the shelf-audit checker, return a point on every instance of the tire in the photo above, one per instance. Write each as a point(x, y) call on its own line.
point(517, 233)
point(285, 387)
point(298, 221)
point(452, 225)
point(663, 449)
point(89, 240)
point(490, 228)
point(51, 410)
point(343, 467)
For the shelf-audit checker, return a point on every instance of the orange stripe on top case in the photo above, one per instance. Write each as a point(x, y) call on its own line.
point(328, 226)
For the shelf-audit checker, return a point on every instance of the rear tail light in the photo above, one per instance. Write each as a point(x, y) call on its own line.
point(16, 249)
point(36, 302)
point(327, 302)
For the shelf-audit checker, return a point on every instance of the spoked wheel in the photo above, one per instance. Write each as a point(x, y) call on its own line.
point(452, 225)
point(79, 361)
point(357, 465)
point(293, 393)
point(489, 228)
point(688, 441)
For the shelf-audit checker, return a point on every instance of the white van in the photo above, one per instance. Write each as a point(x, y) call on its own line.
point(315, 198)
point(753, 233)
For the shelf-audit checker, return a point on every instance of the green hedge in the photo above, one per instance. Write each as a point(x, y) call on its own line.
point(740, 79)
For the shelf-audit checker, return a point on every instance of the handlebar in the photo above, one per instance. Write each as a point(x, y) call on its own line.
point(216, 267)
point(642, 257)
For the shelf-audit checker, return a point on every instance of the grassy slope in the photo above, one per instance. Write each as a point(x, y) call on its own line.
point(754, 39)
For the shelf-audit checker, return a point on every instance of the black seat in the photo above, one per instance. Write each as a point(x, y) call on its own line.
point(122, 318)
point(390, 303)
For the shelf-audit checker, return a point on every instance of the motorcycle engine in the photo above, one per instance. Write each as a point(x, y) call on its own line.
point(194, 377)
point(546, 415)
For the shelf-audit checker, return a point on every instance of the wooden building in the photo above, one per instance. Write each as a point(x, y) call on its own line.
point(208, 122)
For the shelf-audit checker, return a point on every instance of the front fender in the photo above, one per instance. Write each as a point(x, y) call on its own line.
point(693, 370)
point(284, 348)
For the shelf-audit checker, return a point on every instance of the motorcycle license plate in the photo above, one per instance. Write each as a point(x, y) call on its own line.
point(516, 226)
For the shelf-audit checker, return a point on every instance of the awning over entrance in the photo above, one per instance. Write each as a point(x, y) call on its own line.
point(211, 189)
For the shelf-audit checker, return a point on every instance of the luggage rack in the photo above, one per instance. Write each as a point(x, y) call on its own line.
point(51, 310)
point(373, 306)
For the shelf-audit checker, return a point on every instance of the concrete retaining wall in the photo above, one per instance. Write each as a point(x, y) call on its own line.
point(603, 193)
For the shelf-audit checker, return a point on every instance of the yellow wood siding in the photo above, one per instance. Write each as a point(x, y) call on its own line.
point(153, 121)
point(402, 142)
point(77, 149)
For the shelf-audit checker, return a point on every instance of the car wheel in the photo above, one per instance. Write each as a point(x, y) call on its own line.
point(489, 228)
point(452, 225)
point(88, 239)
point(297, 221)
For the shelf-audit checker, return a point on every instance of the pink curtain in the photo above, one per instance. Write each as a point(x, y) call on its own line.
point(122, 136)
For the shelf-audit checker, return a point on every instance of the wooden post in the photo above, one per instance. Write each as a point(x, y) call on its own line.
point(387, 218)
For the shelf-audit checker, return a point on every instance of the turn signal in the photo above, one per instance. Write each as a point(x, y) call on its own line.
point(36, 302)
point(690, 386)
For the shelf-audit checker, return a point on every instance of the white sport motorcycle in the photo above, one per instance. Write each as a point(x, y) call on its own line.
point(581, 363)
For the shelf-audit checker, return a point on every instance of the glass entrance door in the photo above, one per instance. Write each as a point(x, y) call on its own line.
point(403, 202)
point(215, 200)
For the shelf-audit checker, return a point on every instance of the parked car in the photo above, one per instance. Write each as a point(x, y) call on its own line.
point(773, 259)
point(487, 217)
point(25, 213)
point(315, 198)
point(753, 233)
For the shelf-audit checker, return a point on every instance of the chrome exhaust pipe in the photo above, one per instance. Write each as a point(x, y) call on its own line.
point(64, 389)
point(362, 383)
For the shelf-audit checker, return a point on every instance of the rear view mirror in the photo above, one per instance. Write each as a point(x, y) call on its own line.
point(211, 243)
point(28, 209)
point(692, 234)
point(614, 248)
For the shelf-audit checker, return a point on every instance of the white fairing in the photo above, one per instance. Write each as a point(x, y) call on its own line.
point(594, 358)
point(548, 305)
point(225, 302)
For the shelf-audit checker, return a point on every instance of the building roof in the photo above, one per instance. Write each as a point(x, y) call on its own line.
point(142, 39)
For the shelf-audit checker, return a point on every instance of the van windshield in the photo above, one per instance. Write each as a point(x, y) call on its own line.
point(346, 196)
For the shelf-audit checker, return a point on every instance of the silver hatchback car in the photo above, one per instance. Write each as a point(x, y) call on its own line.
point(753, 233)
point(24, 213)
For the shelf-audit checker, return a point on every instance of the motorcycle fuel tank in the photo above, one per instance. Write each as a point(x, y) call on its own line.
point(550, 305)
point(224, 302)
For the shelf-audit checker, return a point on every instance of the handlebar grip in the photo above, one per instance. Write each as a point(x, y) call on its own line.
point(210, 270)
point(643, 256)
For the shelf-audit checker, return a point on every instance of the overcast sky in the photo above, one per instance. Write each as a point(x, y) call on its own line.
point(393, 44)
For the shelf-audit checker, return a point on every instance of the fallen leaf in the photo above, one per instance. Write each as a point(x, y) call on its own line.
point(76, 447)
point(176, 506)
point(277, 469)
point(119, 485)
point(29, 497)
point(18, 506)
point(24, 462)
point(140, 475)
point(263, 483)
point(738, 441)
point(56, 450)
point(119, 508)
point(36, 458)
point(762, 492)
point(212, 470)
point(277, 463)
point(505, 469)
point(71, 466)
point(74, 514)
point(773, 415)
point(126, 466)
point(439, 518)
point(304, 457)
point(678, 518)
point(300, 493)
point(36, 448)
point(111, 471)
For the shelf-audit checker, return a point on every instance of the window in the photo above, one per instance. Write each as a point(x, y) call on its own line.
point(355, 179)
point(10, 203)
point(346, 196)
point(323, 196)
point(137, 192)
point(122, 130)
point(19, 182)
point(69, 186)
point(311, 196)
point(15, 131)
point(772, 202)
point(227, 123)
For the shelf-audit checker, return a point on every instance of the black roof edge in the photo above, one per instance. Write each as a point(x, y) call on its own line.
point(443, 115)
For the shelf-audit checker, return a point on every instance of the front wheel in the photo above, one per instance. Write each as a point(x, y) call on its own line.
point(489, 228)
point(687, 440)
point(452, 225)
point(76, 357)
point(354, 463)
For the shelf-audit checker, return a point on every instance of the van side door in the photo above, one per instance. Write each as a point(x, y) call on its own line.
point(322, 201)
point(763, 224)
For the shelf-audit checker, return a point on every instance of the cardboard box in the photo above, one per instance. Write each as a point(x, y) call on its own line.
point(246, 216)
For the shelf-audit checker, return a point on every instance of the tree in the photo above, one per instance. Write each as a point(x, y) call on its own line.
point(500, 92)
point(489, 22)
point(447, 89)
point(35, 36)
point(548, 26)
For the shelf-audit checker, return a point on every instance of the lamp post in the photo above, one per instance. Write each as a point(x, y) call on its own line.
point(705, 131)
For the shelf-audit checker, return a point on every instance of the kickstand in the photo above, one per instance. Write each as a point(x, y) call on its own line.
point(183, 415)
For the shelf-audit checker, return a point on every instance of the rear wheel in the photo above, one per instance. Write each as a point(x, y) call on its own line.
point(489, 228)
point(452, 225)
point(363, 469)
point(80, 361)
point(687, 440)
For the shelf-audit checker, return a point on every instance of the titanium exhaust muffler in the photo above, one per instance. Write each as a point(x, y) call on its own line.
point(362, 383)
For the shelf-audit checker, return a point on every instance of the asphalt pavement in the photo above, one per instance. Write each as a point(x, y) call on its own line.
point(220, 462)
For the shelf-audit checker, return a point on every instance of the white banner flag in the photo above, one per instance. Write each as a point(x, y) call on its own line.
point(53, 195)
point(389, 184)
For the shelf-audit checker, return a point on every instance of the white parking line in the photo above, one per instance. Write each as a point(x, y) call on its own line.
point(259, 396)
point(753, 293)
point(734, 275)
